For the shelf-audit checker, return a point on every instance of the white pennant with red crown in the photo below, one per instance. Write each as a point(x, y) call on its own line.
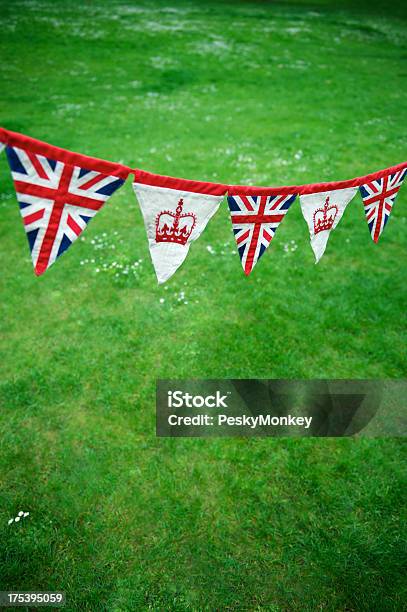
point(174, 217)
point(322, 212)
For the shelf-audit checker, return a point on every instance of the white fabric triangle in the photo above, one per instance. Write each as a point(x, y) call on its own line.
point(2, 145)
point(173, 219)
point(322, 212)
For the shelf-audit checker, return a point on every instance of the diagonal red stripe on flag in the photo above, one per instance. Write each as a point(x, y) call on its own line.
point(37, 165)
point(33, 217)
point(247, 202)
point(278, 202)
point(92, 182)
point(243, 237)
point(73, 225)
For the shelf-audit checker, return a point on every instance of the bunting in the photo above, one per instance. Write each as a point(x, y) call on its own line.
point(175, 212)
point(255, 219)
point(322, 212)
point(59, 192)
point(378, 198)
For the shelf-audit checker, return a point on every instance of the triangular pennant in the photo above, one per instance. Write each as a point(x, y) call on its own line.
point(57, 198)
point(322, 211)
point(255, 219)
point(378, 198)
point(175, 212)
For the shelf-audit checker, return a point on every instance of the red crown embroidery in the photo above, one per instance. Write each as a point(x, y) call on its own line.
point(324, 217)
point(177, 228)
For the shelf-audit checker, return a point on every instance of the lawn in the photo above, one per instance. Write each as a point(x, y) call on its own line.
point(262, 93)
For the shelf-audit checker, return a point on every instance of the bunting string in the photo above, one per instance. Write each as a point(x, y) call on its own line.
point(59, 192)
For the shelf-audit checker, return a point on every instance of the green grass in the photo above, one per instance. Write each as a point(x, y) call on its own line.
point(239, 92)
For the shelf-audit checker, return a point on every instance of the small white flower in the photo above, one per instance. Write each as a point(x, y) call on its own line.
point(97, 270)
point(26, 513)
point(20, 513)
point(17, 519)
point(11, 521)
point(162, 300)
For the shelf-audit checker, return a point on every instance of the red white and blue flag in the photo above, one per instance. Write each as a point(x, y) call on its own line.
point(59, 191)
point(255, 219)
point(57, 197)
point(378, 198)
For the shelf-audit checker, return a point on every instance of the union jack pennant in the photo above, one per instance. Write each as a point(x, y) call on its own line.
point(57, 200)
point(378, 198)
point(255, 220)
